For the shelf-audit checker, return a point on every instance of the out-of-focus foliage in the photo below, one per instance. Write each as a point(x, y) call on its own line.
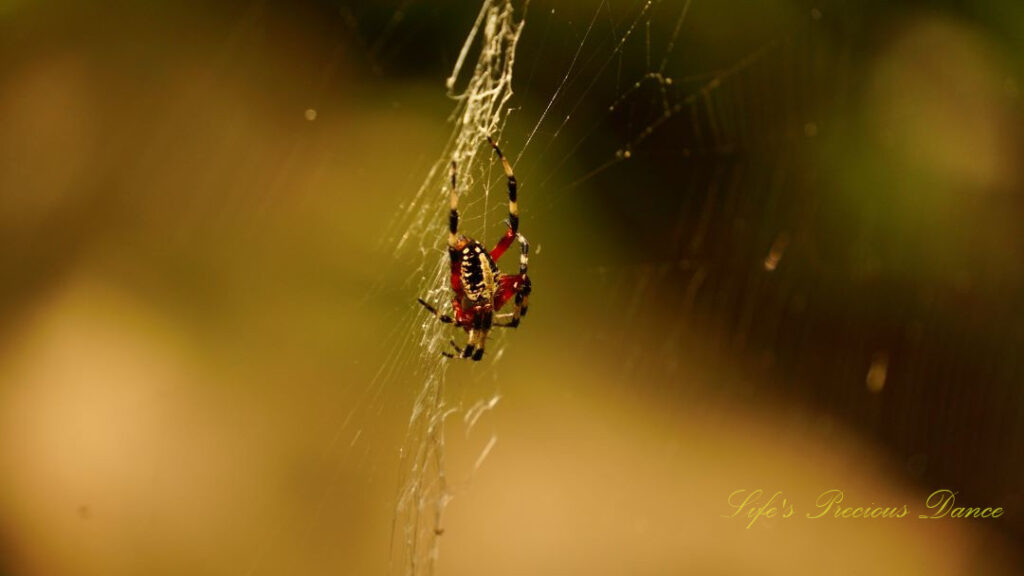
point(810, 277)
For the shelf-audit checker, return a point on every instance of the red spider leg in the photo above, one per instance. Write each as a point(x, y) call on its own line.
point(461, 317)
point(510, 285)
point(456, 283)
point(518, 286)
point(503, 244)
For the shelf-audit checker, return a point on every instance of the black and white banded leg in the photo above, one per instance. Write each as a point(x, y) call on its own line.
point(458, 351)
point(453, 214)
point(442, 317)
point(513, 204)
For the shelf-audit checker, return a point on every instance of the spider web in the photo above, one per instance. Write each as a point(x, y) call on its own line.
point(481, 90)
point(708, 162)
point(608, 95)
point(481, 84)
point(672, 156)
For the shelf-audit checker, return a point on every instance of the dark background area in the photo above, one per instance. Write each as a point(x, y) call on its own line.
point(883, 260)
point(166, 206)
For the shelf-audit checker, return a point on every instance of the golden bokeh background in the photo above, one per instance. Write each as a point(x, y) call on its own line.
point(203, 317)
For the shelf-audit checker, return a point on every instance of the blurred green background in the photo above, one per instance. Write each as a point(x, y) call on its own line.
point(808, 275)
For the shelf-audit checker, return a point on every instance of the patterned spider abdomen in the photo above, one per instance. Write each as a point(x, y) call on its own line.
point(477, 272)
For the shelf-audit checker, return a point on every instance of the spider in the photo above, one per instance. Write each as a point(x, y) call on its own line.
point(480, 289)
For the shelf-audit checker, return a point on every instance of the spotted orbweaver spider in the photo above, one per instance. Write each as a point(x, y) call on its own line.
point(480, 288)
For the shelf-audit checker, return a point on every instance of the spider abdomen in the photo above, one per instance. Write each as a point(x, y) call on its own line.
point(477, 272)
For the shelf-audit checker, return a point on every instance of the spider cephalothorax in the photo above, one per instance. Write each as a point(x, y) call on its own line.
point(480, 289)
